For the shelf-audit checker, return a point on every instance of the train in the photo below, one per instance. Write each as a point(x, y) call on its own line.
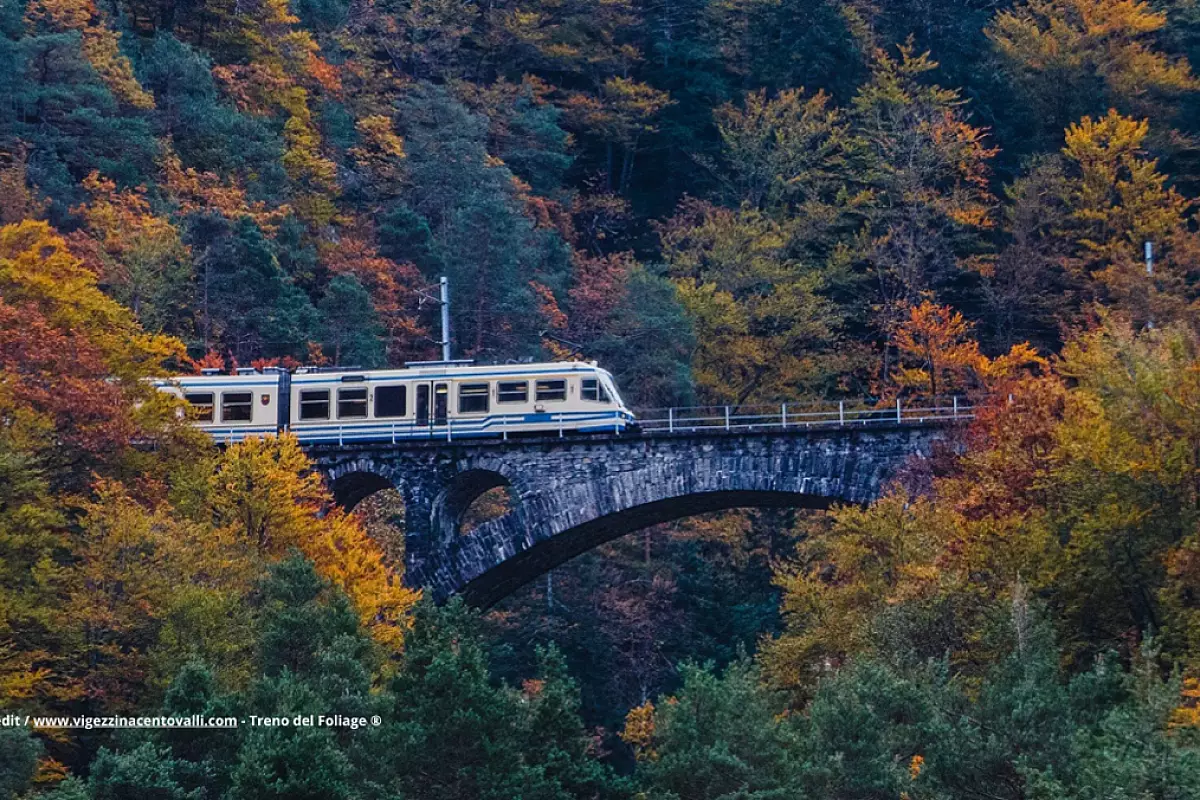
point(430, 400)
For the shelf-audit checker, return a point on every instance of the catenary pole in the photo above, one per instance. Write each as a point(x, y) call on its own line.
point(444, 284)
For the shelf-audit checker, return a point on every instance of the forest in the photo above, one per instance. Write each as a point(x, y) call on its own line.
point(725, 202)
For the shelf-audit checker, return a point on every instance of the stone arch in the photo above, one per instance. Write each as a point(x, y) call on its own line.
point(351, 488)
point(462, 490)
point(574, 494)
point(526, 565)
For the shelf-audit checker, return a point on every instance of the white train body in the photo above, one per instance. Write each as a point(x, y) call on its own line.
point(437, 400)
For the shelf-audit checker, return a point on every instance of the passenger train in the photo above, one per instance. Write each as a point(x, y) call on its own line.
point(425, 400)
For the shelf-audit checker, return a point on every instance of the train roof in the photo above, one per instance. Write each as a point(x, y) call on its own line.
point(431, 369)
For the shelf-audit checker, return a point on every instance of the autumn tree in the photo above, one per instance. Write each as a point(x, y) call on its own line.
point(1079, 57)
point(763, 329)
point(928, 175)
point(938, 355)
point(99, 44)
point(139, 255)
point(784, 151)
point(1080, 222)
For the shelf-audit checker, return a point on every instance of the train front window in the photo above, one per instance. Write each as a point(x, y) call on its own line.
point(610, 393)
point(202, 405)
point(391, 401)
point(551, 391)
point(473, 398)
point(512, 391)
point(237, 406)
point(314, 404)
point(594, 391)
point(352, 403)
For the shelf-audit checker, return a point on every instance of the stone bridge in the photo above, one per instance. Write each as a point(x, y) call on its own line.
point(571, 494)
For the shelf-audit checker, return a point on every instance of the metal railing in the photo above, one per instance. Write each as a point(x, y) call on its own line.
point(801, 416)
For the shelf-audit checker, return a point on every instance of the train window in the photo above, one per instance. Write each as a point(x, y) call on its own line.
point(352, 403)
point(473, 398)
point(202, 405)
point(391, 401)
point(237, 406)
point(314, 404)
point(513, 391)
point(593, 390)
point(551, 391)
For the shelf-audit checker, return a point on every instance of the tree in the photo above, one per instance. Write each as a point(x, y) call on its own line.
point(99, 44)
point(352, 331)
point(784, 151)
point(480, 233)
point(1078, 57)
point(937, 339)
point(20, 753)
point(140, 256)
point(927, 169)
point(763, 331)
point(719, 737)
point(247, 305)
point(264, 493)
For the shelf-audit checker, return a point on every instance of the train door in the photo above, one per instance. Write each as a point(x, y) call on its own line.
point(433, 404)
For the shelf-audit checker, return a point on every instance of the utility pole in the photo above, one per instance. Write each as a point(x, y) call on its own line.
point(1150, 285)
point(444, 284)
point(443, 300)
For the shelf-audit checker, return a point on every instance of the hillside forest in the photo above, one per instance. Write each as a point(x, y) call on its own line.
point(725, 202)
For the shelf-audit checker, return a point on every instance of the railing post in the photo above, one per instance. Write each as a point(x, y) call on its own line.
point(841, 413)
point(504, 428)
point(898, 416)
point(726, 417)
point(393, 433)
point(783, 414)
point(560, 427)
point(956, 406)
point(671, 419)
point(449, 427)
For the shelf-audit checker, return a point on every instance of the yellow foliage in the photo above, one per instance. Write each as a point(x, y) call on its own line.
point(196, 191)
point(638, 732)
point(37, 268)
point(265, 492)
point(99, 43)
point(762, 328)
point(1067, 40)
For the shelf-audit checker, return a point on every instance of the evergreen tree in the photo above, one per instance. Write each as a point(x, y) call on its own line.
point(352, 334)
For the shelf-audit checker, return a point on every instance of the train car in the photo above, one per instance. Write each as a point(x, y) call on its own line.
point(429, 400)
point(233, 407)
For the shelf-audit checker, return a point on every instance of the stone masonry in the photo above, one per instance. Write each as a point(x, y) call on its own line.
point(571, 494)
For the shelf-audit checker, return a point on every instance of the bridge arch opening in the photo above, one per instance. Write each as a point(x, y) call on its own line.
point(472, 498)
point(514, 572)
point(352, 488)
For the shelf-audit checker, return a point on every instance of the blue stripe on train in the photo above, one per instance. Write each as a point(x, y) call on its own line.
point(477, 428)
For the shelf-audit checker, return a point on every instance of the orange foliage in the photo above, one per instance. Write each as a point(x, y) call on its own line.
point(600, 286)
point(391, 285)
point(210, 360)
point(66, 350)
point(196, 191)
point(324, 73)
point(936, 341)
